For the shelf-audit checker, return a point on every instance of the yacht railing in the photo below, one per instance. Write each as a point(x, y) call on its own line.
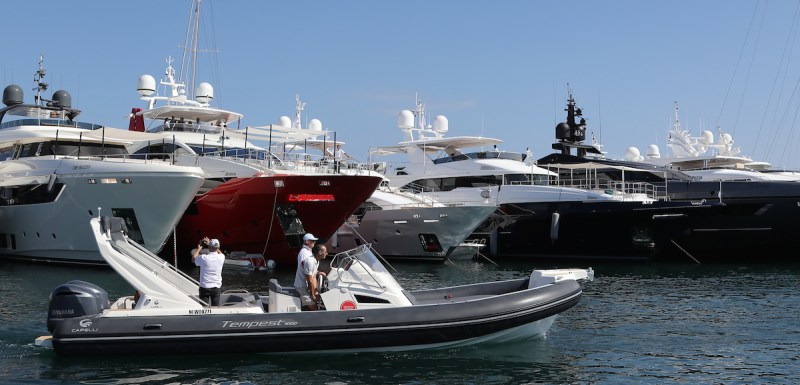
point(625, 189)
point(302, 163)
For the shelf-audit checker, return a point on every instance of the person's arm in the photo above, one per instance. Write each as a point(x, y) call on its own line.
point(199, 248)
point(312, 287)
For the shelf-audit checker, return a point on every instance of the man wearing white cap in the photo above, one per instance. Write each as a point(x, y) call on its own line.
point(210, 270)
point(305, 281)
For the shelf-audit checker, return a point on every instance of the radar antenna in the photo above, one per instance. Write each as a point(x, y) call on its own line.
point(38, 80)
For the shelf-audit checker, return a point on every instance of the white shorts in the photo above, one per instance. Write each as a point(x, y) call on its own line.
point(305, 296)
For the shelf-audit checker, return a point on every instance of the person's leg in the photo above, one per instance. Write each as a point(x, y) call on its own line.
point(307, 302)
point(215, 296)
point(205, 295)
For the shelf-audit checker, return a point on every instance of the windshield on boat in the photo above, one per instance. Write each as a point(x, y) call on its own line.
point(482, 155)
point(354, 263)
point(452, 183)
point(64, 148)
point(201, 128)
point(50, 122)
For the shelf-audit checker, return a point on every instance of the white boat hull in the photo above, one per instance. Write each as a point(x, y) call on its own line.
point(155, 198)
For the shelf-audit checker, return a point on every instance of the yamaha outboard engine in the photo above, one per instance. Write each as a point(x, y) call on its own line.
point(75, 299)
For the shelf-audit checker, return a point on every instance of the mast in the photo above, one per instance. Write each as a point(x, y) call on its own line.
point(38, 80)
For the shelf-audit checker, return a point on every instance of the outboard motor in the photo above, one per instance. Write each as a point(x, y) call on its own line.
point(75, 299)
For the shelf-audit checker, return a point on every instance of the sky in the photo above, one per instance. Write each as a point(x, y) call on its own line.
point(500, 69)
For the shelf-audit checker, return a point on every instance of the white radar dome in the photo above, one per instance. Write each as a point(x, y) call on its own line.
point(205, 93)
point(405, 119)
point(440, 124)
point(284, 121)
point(632, 154)
point(147, 85)
point(706, 137)
point(653, 152)
point(315, 125)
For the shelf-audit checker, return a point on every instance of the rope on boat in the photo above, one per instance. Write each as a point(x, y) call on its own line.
point(271, 219)
point(684, 251)
point(370, 246)
point(478, 252)
point(174, 248)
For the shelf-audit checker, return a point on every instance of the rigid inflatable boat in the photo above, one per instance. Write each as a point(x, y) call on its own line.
point(365, 309)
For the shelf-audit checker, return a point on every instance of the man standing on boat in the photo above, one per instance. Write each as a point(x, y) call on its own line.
point(210, 270)
point(305, 280)
point(339, 157)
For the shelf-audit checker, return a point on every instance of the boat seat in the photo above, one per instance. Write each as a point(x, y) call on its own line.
point(274, 286)
point(283, 300)
point(241, 298)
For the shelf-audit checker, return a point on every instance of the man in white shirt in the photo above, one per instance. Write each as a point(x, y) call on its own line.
point(210, 270)
point(339, 157)
point(305, 281)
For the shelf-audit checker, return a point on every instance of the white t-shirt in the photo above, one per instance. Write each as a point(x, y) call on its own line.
point(210, 269)
point(307, 266)
point(305, 251)
point(340, 154)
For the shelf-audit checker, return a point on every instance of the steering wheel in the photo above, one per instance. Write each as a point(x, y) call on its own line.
point(322, 283)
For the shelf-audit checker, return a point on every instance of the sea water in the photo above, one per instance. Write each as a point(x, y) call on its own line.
point(636, 324)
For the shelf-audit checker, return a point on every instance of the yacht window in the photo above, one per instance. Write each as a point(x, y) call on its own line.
point(448, 184)
point(6, 153)
point(30, 150)
point(73, 149)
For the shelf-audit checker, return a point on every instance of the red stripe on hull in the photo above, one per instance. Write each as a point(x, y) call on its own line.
point(241, 212)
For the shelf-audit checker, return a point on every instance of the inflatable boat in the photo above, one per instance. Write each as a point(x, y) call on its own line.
point(365, 309)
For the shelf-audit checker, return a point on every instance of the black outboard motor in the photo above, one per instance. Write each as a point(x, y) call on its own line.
point(75, 299)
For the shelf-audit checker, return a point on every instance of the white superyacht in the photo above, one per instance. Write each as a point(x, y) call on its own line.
point(56, 173)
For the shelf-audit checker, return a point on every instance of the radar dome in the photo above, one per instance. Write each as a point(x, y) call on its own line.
point(440, 124)
point(653, 152)
point(633, 154)
point(12, 95)
point(562, 131)
point(405, 119)
point(284, 121)
point(315, 125)
point(62, 98)
point(706, 137)
point(205, 93)
point(147, 85)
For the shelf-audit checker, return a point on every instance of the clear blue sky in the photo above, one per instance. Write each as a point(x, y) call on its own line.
point(497, 68)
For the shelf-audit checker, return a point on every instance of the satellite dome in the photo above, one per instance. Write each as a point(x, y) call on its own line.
point(12, 95)
point(315, 125)
point(706, 137)
point(440, 124)
point(147, 85)
point(405, 119)
point(632, 154)
point(284, 121)
point(562, 131)
point(205, 93)
point(653, 152)
point(62, 98)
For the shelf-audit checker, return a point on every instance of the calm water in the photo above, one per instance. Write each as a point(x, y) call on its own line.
point(642, 323)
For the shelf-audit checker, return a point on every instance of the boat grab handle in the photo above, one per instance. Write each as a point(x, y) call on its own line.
point(152, 326)
point(356, 319)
